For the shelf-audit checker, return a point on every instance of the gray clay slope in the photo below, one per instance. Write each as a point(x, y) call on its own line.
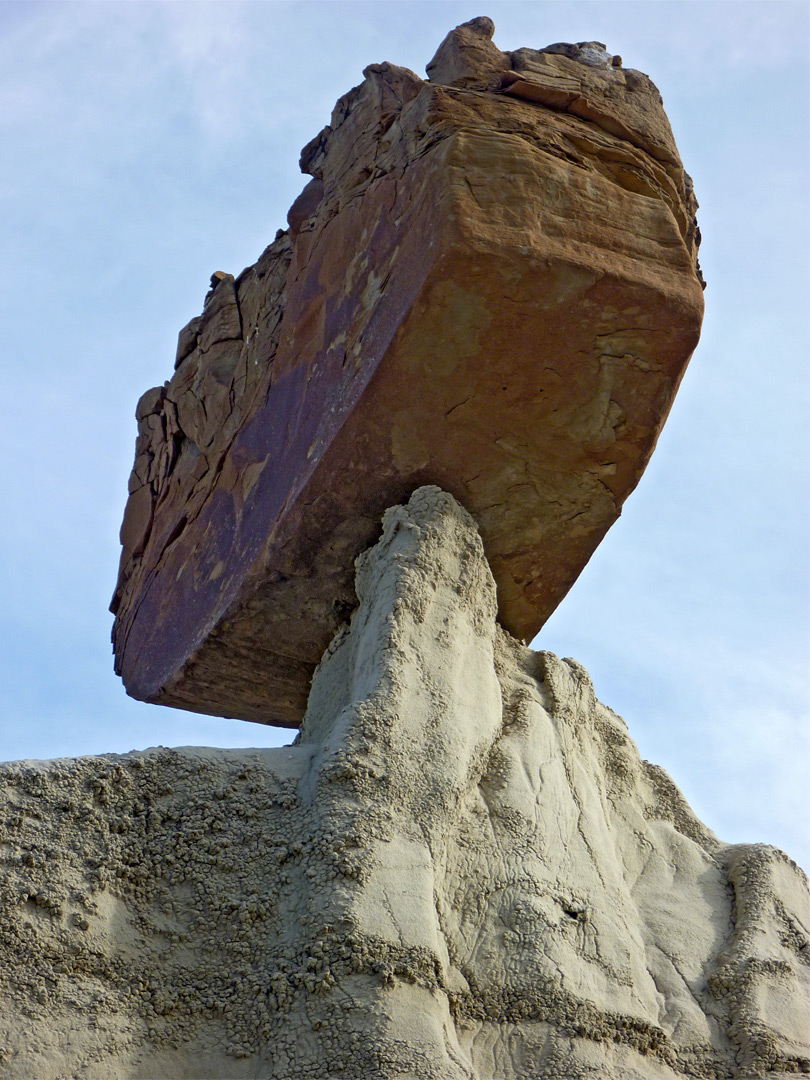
point(461, 870)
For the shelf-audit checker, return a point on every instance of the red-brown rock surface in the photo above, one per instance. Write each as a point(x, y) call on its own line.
point(490, 284)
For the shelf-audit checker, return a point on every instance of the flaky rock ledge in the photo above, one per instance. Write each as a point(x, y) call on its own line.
point(490, 283)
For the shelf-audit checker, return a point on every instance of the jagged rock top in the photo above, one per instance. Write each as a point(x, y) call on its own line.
point(582, 78)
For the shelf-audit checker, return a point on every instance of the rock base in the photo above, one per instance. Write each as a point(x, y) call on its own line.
point(462, 870)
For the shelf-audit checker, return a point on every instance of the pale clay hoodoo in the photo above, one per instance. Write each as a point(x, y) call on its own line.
point(462, 869)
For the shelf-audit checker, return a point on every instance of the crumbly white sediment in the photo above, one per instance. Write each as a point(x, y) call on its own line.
point(462, 869)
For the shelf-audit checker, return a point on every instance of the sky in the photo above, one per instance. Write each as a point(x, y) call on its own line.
point(145, 145)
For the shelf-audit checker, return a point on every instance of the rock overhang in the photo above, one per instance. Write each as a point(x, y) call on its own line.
point(479, 289)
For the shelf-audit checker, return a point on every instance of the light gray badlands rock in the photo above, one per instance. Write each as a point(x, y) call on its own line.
point(461, 870)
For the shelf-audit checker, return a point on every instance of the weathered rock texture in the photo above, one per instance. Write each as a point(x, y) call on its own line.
point(461, 870)
point(490, 283)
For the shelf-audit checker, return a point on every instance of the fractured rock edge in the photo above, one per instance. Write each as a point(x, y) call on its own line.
point(461, 870)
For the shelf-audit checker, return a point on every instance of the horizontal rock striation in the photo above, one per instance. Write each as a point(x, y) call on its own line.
point(462, 870)
point(490, 283)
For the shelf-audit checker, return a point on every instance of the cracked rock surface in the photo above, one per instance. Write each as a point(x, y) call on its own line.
point(489, 283)
point(461, 870)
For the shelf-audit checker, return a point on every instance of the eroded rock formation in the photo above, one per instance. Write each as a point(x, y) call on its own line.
point(462, 870)
point(490, 283)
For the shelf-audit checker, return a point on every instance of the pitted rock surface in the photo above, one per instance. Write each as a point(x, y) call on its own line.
point(462, 870)
point(490, 283)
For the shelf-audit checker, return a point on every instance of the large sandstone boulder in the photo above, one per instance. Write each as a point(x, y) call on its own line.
point(490, 283)
point(462, 870)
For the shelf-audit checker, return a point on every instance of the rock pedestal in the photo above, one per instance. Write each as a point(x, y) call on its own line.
point(490, 283)
point(461, 870)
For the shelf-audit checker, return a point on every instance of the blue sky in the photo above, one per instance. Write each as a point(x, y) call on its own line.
point(145, 145)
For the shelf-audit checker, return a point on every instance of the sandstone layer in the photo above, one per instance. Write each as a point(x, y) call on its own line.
point(490, 283)
point(462, 870)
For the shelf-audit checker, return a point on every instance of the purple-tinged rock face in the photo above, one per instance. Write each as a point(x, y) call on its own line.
point(490, 284)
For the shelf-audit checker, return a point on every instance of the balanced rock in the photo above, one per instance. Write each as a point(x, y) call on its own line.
point(462, 870)
point(490, 283)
